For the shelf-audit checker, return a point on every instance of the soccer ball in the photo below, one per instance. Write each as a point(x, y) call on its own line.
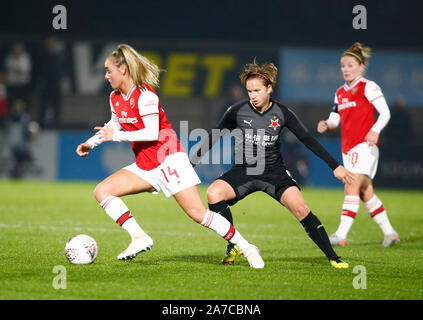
point(81, 249)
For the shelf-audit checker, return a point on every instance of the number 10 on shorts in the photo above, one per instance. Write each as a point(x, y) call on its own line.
point(354, 158)
point(171, 172)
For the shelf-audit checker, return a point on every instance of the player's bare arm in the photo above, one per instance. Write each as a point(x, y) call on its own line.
point(344, 175)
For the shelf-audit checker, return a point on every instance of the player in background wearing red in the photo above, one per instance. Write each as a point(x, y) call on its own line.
point(354, 109)
point(161, 161)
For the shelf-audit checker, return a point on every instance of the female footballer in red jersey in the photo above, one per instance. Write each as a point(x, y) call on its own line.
point(354, 108)
point(161, 162)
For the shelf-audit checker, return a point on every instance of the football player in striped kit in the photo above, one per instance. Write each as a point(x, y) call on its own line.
point(354, 108)
point(161, 161)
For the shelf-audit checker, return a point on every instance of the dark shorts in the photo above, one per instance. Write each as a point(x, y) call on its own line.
point(274, 182)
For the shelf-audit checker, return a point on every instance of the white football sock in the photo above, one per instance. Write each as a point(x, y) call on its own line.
point(223, 228)
point(345, 226)
point(119, 212)
point(350, 208)
point(376, 210)
point(383, 222)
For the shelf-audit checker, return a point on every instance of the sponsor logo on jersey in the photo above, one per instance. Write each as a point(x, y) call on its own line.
point(264, 140)
point(124, 118)
point(347, 104)
point(128, 120)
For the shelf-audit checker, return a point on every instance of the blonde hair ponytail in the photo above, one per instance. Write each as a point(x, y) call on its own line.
point(140, 69)
point(360, 53)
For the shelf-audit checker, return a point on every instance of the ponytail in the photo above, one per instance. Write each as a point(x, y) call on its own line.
point(360, 53)
point(141, 70)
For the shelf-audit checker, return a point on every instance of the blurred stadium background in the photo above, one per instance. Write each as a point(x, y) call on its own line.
point(202, 46)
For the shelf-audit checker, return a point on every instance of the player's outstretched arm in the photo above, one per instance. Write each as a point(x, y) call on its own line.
point(83, 149)
point(344, 175)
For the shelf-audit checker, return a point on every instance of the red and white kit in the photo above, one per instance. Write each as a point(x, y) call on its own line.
point(354, 107)
point(161, 160)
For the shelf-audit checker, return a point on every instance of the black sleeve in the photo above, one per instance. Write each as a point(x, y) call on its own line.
point(228, 121)
point(300, 131)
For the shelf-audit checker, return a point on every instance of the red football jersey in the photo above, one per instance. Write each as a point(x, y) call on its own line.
point(130, 110)
point(357, 113)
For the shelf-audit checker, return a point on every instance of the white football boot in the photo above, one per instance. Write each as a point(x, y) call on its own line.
point(336, 240)
point(253, 256)
point(138, 245)
point(390, 239)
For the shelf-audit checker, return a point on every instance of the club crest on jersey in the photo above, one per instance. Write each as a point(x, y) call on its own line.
point(132, 102)
point(274, 123)
point(354, 90)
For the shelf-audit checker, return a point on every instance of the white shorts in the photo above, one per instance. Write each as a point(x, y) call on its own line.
point(363, 159)
point(173, 175)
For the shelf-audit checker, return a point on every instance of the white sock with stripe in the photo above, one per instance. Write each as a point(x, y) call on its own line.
point(119, 212)
point(349, 211)
point(376, 210)
point(224, 228)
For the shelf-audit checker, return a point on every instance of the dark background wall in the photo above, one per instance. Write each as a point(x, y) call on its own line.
point(242, 26)
point(391, 23)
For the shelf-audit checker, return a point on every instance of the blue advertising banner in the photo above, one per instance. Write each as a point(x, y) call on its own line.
point(398, 168)
point(320, 175)
point(100, 163)
point(313, 75)
point(110, 157)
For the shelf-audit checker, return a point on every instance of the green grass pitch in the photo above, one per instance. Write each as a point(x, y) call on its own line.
point(37, 219)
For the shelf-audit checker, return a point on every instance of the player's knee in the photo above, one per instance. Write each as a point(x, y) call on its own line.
point(196, 214)
point(366, 193)
point(301, 211)
point(215, 194)
point(97, 192)
point(101, 192)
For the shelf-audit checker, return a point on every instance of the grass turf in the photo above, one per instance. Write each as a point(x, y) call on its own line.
point(37, 219)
